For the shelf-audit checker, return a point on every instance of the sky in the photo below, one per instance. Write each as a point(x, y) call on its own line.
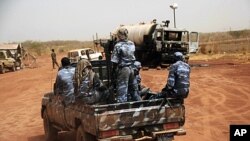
point(45, 20)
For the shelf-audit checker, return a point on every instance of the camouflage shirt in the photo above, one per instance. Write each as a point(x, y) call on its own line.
point(64, 84)
point(123, 53)
point(178, 78)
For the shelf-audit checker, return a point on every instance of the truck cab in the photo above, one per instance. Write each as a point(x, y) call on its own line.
point(171, 40)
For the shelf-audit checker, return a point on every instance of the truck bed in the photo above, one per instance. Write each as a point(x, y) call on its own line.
point(135, 119)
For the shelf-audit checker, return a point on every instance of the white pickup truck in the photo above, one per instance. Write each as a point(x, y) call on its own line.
point(77, 54)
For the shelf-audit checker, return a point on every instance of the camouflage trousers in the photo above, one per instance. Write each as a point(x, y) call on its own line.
point(126, 85)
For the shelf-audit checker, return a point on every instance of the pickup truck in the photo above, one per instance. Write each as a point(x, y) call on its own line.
point(156, 119)
point(77, 54)
point(6, 62)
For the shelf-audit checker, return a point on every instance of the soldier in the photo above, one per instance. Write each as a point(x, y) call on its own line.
point(123, 59)
point(178, 79)
point(53, 57)
point(142, 90)
point(81, 65)
point(90, 88)
point(64, 82)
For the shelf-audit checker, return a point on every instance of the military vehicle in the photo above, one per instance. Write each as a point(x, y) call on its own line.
point(6, 62)
point(16, 52)
point(155, 119)
point(156, 43)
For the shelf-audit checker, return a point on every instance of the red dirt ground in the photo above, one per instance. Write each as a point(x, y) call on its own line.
point(219, 96)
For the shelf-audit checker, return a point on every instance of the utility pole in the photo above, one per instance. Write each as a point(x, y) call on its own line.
point(174, 6)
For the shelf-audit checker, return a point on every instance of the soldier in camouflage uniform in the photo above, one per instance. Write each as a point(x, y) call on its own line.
point(64, 82)
point(89, 88)
point(123, 59)
point(142, 90)
point(80, 68)
point(178, 79)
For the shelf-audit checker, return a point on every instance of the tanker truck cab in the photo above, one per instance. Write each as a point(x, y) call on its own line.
point(170, 40)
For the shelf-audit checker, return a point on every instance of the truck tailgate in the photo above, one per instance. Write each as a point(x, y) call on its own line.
point(138, 115)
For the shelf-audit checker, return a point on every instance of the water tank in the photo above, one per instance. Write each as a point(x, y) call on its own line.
point(137, 32)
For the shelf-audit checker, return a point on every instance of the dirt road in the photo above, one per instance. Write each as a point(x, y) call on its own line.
point(219, 96)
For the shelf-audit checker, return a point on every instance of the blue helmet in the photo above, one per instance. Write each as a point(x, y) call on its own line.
point(178, 56)
point(137, 64)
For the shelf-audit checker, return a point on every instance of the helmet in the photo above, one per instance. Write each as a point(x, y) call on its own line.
point(122, 33)
point(178, 56)
point(137, 64)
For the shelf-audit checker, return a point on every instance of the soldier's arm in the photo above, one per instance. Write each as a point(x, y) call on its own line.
point(171, 78)
point(115, 54)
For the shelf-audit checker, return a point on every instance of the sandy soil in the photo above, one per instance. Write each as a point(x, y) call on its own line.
point(219, 96)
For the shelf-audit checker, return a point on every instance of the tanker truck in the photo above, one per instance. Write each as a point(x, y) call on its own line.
point(156, 43)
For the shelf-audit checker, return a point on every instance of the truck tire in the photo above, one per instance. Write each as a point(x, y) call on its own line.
point(2, 70)
point(50, 132)
point(83, 136)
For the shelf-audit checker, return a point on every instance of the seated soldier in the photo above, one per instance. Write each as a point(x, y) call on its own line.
point(141, 90)
point(178, 79)
point(64, 87)
point(90, 88)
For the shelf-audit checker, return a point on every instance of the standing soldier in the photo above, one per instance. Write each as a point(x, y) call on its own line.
point(123, 59)
point(53, 57)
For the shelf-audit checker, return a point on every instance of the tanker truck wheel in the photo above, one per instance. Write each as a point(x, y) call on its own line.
point(83, 136)
point(50, 132)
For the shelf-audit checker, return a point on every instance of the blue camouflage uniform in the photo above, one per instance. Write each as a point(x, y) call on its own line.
point(123, 56)
point(64, 84)
point(136, 82)
point(178, 80)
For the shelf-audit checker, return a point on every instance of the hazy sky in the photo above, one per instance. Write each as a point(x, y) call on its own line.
point(44, 20)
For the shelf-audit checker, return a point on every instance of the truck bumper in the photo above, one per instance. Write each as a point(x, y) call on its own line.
point(177, 132)
point(117, 138)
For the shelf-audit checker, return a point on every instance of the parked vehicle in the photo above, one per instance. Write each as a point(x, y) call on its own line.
point(155, 120)
point(156, 43)
point(77, 54)
point(16, 52)
point(6, 62)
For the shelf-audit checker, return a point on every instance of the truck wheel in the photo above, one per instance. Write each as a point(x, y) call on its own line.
point(83, 136)
point(50, 131)
point(2, 70)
